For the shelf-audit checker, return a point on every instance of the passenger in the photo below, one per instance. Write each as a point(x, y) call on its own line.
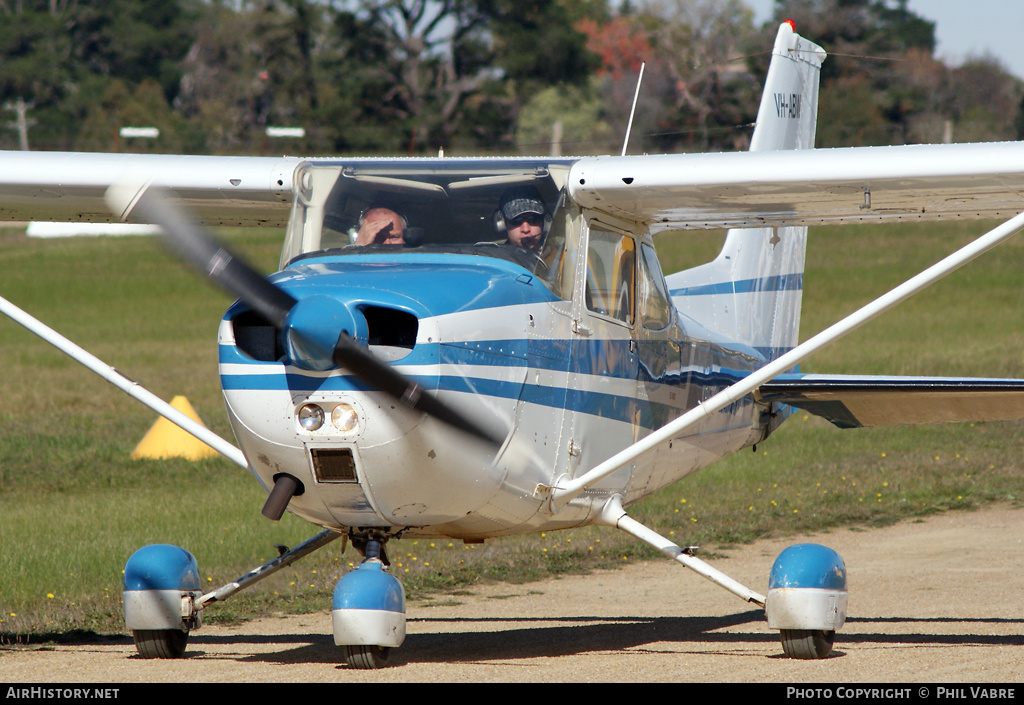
point(380, 226)
point(521, 217)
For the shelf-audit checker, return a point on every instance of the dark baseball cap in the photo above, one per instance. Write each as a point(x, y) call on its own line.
point(517, 201)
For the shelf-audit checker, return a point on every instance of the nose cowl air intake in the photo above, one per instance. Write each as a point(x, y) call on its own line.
point(312, 328)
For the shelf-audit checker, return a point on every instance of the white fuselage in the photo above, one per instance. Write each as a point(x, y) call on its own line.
point(567, 391)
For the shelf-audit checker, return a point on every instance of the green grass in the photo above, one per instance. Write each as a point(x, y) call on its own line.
point(74, 506)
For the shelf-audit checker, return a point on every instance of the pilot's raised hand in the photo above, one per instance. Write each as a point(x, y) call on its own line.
point(380, 226)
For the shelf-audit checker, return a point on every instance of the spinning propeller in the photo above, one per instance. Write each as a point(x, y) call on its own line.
point(318, 332)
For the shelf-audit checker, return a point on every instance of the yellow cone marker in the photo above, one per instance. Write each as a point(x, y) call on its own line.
point(166, 440)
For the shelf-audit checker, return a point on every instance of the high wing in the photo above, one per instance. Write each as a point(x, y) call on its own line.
point(70, 186)
point(851, 401)
point(823, 186)
point(680, 191)
point(805, 187)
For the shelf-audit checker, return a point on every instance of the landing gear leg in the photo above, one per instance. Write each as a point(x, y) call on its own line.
point(807, 598)
point(162, 600)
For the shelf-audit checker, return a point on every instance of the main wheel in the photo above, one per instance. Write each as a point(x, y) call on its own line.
point(160, 643)
point(366, 657)
point(807, 643)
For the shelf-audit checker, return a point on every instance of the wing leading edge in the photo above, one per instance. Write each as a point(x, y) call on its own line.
point(676, 191)
point(805, 187)
point(850, 401)
point(70, 186)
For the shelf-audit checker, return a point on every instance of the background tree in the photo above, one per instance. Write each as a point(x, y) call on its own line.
point(622, 44)
point(715, 96)
point(35, 52)
point(60, 55)
point(564, 120)
point(697, 92)
point(470, 76)
point(981, 100)
point(416, 65)
point(882, 85)
point(251, 66)
point(119, 106)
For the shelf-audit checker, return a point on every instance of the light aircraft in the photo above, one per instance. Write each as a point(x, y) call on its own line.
point(456, 385)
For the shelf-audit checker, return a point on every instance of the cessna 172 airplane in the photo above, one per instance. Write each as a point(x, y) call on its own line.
point(455, 384)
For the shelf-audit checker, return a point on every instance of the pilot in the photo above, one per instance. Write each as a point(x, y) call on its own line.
point(380, 226)
point(521, 216)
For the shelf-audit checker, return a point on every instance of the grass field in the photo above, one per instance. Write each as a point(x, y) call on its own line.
point(74, 506)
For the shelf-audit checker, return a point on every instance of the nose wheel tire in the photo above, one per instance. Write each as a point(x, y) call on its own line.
point(807, 643)
point(366, 657)
point(160, 643)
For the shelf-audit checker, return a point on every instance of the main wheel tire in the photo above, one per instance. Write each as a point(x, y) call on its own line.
point(807, 643)
point(366, 657)
point(160, 643)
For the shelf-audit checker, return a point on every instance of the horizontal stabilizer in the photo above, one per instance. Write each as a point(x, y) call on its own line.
point(850, 401)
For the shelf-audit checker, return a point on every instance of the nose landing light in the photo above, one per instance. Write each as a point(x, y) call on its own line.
point(345, 418)
point(311, 417)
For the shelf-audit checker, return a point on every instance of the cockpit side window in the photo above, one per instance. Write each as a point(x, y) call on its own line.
point(611, 259)
point(558, 255)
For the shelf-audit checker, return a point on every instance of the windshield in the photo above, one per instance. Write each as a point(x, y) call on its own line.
point(506, 208)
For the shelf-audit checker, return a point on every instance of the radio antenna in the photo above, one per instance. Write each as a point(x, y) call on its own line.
point(632, 110)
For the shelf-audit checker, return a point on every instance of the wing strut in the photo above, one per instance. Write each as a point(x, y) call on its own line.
point(564, 490)
point(128, 386)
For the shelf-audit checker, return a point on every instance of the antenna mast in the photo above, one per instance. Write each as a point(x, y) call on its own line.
point(632, 110)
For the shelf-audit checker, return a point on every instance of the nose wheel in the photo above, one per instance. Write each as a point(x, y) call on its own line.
point(369, 609)
point(366, 657)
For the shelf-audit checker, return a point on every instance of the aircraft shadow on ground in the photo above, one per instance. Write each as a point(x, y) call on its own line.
point(596, 634)
point(546, 637)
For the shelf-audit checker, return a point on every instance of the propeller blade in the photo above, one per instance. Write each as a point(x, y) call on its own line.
point(356, 359)
point(197, 246)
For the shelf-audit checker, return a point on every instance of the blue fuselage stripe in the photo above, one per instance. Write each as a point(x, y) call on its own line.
point(625, 407)
point(783, 282)
point(621, 379)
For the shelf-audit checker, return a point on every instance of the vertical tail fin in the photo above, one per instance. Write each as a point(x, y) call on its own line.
point(752, 291)
point(788, 113)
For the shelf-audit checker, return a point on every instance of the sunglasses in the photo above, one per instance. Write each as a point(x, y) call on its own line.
point(531, 218)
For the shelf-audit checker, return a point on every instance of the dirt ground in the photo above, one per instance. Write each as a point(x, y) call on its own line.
point(937, 601)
